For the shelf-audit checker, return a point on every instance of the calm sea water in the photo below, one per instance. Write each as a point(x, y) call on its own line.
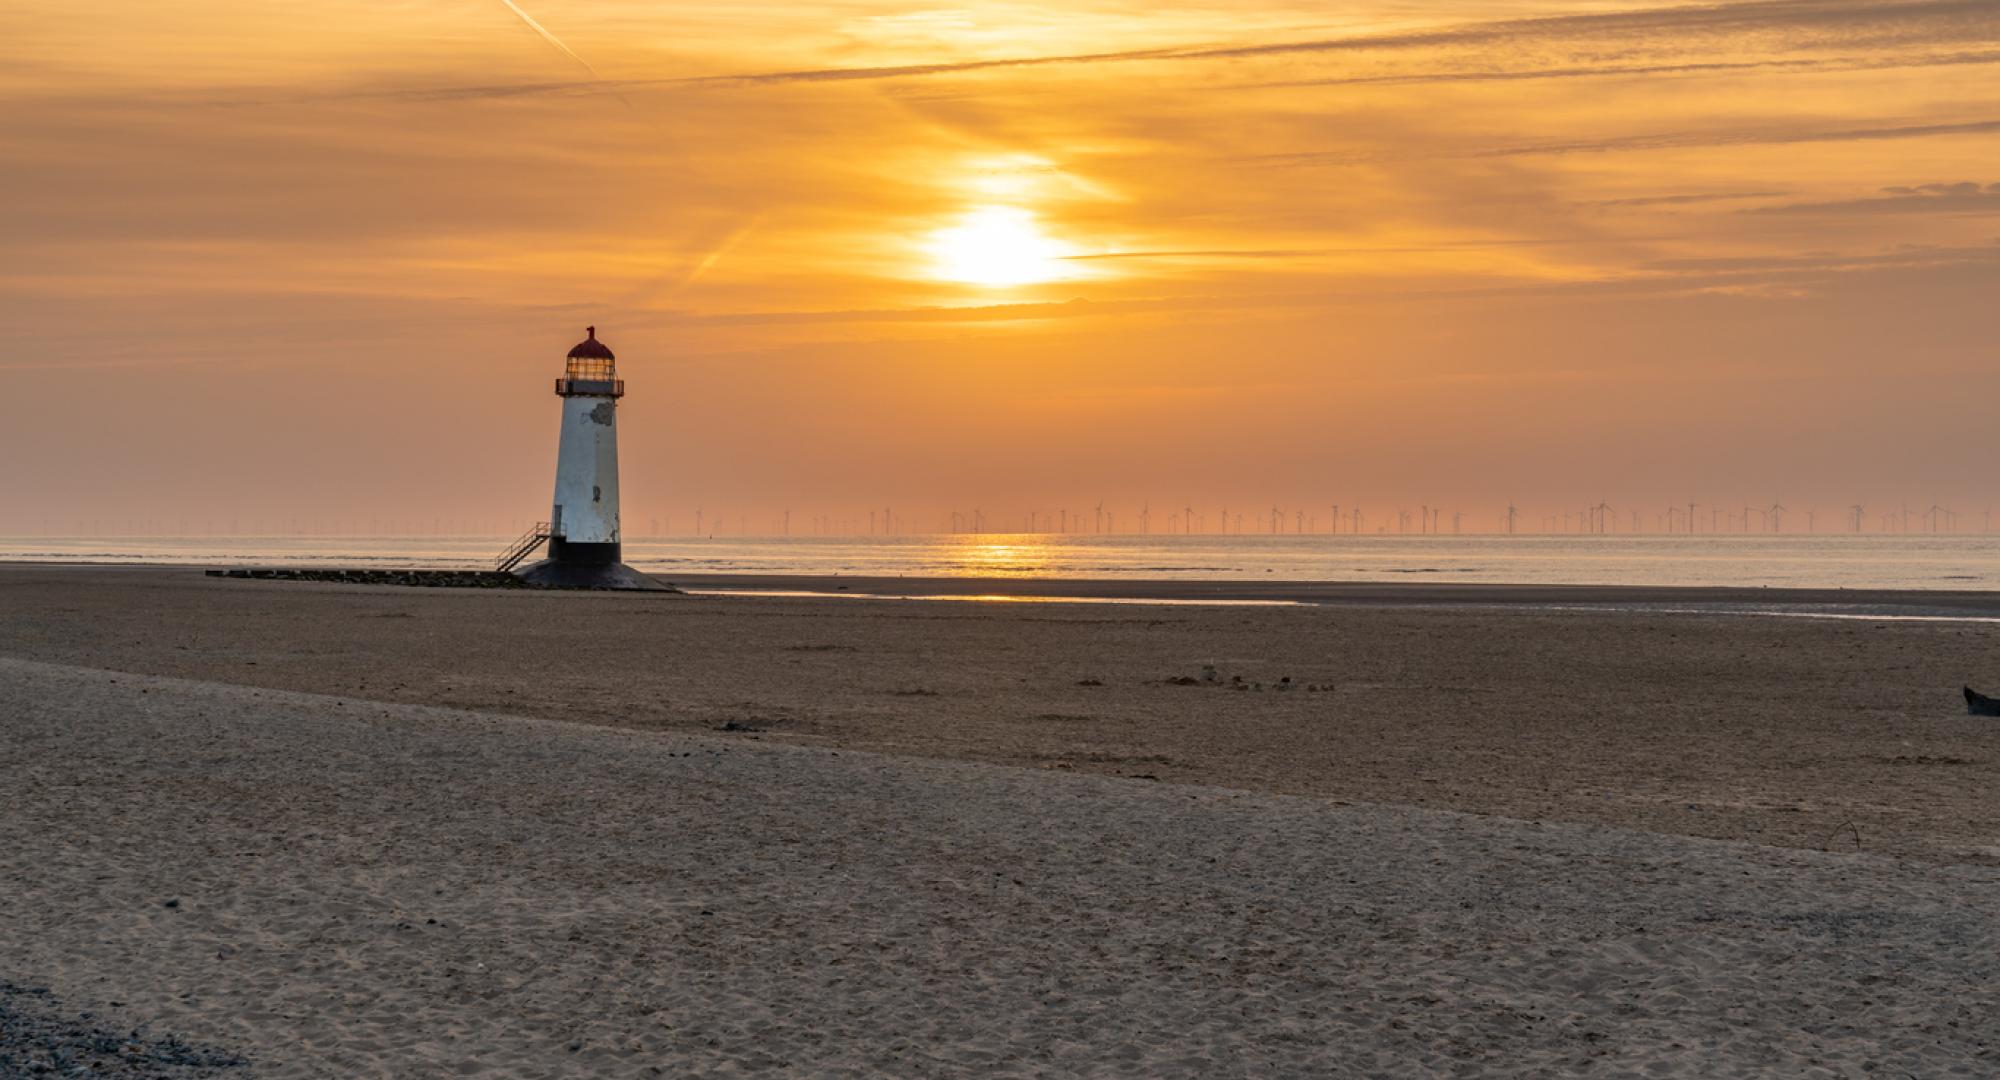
point(1845, 561)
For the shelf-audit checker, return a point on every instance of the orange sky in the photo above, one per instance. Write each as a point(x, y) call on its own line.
point(264, 262)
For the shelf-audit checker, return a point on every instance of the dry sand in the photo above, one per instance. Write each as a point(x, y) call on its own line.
point(361, 890)
point(364, 883)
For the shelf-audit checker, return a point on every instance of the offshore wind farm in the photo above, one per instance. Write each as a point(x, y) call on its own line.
point(1717, 543)
point(1784, 560)
point(1105, 517)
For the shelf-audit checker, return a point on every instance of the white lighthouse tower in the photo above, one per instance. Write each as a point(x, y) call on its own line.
point(585, 548)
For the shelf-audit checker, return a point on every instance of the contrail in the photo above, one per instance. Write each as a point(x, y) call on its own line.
point(548, 37)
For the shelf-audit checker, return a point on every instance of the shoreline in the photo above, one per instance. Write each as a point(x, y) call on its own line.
point(1329, 593)
point(1659, 599)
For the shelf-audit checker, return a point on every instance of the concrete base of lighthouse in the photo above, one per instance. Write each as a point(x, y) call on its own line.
point(588, 566)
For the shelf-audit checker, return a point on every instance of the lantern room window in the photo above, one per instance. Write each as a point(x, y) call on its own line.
point(590, 369)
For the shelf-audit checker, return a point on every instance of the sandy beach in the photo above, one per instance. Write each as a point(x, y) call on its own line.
point(1779, 731)
point(357, 831)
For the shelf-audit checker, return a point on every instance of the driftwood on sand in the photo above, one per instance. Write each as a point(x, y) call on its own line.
point(1979, 704)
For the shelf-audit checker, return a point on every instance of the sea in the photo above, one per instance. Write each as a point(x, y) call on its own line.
point(1866, 561)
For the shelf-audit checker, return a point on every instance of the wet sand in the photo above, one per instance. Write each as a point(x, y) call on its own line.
point(1416, 591)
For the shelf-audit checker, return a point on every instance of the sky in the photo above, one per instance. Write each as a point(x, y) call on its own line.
point(268, 267)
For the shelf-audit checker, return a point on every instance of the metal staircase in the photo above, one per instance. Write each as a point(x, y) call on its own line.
point(523, 547)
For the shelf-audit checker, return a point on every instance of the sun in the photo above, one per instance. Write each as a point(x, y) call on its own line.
point(997, 246)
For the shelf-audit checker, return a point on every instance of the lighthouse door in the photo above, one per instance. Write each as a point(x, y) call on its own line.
point(555, 522)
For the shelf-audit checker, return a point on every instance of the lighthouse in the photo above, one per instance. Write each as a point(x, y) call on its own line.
point(585, 550)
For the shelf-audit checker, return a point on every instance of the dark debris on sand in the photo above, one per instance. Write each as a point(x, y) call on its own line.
point(38, 1037)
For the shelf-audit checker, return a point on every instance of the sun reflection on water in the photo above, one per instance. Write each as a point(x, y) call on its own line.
point(1003, 556)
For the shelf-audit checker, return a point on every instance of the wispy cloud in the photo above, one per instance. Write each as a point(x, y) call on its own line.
point(1663, 277)
point(1595, 71)
point(1819, 24)
point(1827, 21)
point(1960, 198)
point(1676, 140)
point(1309, 253)
point(499, 91)
point(1687, 199)
point(1823, 262)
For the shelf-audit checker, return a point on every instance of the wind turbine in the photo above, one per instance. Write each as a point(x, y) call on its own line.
point(1145, 519)
point(1777, 517)
point(1858, 510)
point(1512, 513)
point(1187, 519)
point(1100, 516)
point(1275, 518)
point(1333, 527)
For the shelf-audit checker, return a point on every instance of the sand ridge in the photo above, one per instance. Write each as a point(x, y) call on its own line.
point(368, 889)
